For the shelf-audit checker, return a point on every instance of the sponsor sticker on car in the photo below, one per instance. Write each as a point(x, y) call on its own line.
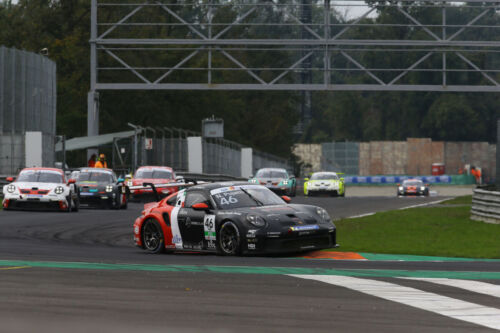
point(305, 227)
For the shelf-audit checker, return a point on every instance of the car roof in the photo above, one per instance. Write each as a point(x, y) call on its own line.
point(43, 169)
point(96, 169)
point(213, 186)
point(324, 173)
point(273, 169)
point(155, 167)
point(412, 180)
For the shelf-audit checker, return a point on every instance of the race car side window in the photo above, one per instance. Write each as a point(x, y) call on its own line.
point(196, 197)
point(172, 201)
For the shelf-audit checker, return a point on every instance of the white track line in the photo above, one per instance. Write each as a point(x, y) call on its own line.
point(362, 215)
point(473, 286)
point(443, 305)
point(424, 204)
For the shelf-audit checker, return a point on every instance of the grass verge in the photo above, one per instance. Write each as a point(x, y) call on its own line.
point(430, 231)
point(464, 200)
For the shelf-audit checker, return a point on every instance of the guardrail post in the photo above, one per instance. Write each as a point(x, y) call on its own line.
point(195, 154)
point(246, 162)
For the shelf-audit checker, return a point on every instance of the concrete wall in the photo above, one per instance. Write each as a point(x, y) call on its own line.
point(414, 156)
point(481, 154)
point(309, 154)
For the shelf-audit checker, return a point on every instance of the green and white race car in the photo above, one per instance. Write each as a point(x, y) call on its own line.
point(324, 183)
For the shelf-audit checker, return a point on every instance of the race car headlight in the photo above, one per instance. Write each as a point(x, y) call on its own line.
point(401, 188)
point(109, 188)
point(59, 190)
point(323, 214)
point(284, 182)
point(253, 180)
point(129, 183)
point(256, 220)
point(11, 188)
point(422, 188)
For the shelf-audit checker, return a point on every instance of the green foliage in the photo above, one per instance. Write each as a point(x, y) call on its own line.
point(260, 119)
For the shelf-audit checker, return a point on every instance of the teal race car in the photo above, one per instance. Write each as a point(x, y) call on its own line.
point(277, 180)
point(328, 183)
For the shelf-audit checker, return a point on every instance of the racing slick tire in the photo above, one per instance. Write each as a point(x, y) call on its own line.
point(124, 204)
point(70, 201)
point(153, 240)
point(76, 205)
point(343, 194)
point(228, 240)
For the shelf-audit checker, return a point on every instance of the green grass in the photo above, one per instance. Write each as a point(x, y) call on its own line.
point(464, 200)
point(436, 231)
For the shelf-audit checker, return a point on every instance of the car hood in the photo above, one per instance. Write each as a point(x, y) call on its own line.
point(40, 186)
point(272, 180)
point(286, 215)
point(324, 181)
point(141, 181)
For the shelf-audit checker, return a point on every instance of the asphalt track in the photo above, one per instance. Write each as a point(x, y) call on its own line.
point(81, 272)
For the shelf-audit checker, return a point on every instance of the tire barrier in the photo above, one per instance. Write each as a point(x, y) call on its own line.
point(485, 206)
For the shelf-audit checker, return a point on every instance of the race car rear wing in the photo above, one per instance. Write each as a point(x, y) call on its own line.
point(166, 185)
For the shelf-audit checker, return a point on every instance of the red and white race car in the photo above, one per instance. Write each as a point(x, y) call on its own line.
point(157, 175)
point(39, 188)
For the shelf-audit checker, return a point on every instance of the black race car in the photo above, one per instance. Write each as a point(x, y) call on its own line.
point(99, 187)
point(413, 187)
point(232, 219)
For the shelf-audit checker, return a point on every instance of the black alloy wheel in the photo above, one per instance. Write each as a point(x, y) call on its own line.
point(152, 237)
point(229, 243)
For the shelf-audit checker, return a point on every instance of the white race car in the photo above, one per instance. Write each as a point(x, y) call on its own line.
point(40, 188)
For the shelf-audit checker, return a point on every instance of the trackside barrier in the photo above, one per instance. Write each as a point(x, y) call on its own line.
point(485, 206)
point(381, 180)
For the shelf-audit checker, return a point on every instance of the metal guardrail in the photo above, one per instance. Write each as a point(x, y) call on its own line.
point(485, 206)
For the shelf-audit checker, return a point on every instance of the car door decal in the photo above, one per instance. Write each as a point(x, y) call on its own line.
point(209, 227)
point(174, 222)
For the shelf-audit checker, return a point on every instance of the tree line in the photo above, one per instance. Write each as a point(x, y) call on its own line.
point(263, 119)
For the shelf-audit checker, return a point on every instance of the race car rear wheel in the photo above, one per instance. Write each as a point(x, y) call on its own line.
point(69, 201)
point(229, 243)
point(76, 205)
point(152, 237)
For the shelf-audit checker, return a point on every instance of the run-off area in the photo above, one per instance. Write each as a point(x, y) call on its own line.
point(54, 299)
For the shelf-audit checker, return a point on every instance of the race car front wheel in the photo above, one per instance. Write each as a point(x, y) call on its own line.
point(152, 237)
point(229, 243)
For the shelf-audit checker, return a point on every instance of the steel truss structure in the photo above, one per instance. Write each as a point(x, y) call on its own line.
point(306, 45)
point(209, 44)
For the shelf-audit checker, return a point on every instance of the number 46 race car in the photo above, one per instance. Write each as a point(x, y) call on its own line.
point(232, 219)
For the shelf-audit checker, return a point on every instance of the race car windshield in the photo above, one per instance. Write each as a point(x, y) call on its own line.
point(413, 183)
point(271, 174)
point(324, 176)
point(33, 176)
point(153, 174)
point(99, 177)
point(250, 197)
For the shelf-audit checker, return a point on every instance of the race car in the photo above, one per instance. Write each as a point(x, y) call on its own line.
point(232, 219)
point(277, 180)
point(413, 187)
point(98, 187)
point(324, 183)
point(40, 188)
point(155, 175)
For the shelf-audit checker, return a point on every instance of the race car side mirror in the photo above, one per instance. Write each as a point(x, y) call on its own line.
point(9, 179)
point(251, 176)
point(398, 184)
point(286, 198)
point(179, 179)
point(71, 181)
point(200, 206)
point(306, 179)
